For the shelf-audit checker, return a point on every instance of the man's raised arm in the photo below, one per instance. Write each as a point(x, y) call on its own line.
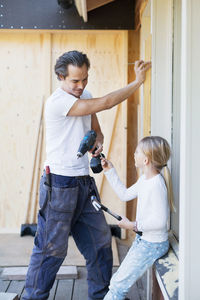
point(91, 106)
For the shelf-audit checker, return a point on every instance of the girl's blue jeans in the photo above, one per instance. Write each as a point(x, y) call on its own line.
point(139, 258)
point(69, 211)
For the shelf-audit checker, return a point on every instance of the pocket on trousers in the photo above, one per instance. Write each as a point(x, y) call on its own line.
point(64, 199)
point(39, 239)
point(43, 194)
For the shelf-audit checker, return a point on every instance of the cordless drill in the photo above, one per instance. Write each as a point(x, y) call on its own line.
point(86, 144)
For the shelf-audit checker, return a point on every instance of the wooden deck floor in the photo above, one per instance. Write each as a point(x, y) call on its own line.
point(76, 289)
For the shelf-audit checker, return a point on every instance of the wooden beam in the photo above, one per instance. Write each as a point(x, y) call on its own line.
point(92, 4)
point(147, 91)
point(139, 9)
point(81, 6)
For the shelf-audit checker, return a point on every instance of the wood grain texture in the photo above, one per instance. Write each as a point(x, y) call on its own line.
point(23, 83)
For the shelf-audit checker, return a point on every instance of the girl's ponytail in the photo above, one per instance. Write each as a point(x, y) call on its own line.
point(168, 181)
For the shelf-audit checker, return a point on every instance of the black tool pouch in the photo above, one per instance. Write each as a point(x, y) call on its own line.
point(45, 198)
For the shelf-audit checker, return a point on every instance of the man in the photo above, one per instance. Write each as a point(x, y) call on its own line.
point(69, 113)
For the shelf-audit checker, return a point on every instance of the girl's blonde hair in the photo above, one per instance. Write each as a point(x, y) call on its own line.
point(157, 150)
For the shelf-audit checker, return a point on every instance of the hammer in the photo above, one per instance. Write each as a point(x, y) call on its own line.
point(97, 205)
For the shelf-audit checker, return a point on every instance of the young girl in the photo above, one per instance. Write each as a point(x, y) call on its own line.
point(154, 193)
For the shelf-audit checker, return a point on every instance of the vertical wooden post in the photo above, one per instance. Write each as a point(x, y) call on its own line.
point(47, 89)
point(147, 91)
point(132, 120)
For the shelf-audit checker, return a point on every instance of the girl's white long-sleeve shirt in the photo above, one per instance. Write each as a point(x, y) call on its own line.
point(152, 205)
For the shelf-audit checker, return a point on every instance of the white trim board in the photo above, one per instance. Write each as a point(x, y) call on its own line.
point(161, 93)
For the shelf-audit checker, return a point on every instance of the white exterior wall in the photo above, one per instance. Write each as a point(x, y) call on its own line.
point(190, 153)
point(161, 124)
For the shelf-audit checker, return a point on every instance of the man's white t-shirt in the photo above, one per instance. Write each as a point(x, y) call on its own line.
point(64, 135)
point(152, 206)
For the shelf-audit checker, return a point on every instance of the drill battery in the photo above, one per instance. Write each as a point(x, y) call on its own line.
point(87, 144)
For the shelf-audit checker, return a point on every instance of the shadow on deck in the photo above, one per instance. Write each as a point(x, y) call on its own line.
point(76, 289)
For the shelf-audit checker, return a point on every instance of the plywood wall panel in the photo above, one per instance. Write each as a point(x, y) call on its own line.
point(26, 75)
point(116, 153)
point(20, 101)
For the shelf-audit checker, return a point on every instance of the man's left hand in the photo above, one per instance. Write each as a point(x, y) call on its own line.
point(99, 148)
